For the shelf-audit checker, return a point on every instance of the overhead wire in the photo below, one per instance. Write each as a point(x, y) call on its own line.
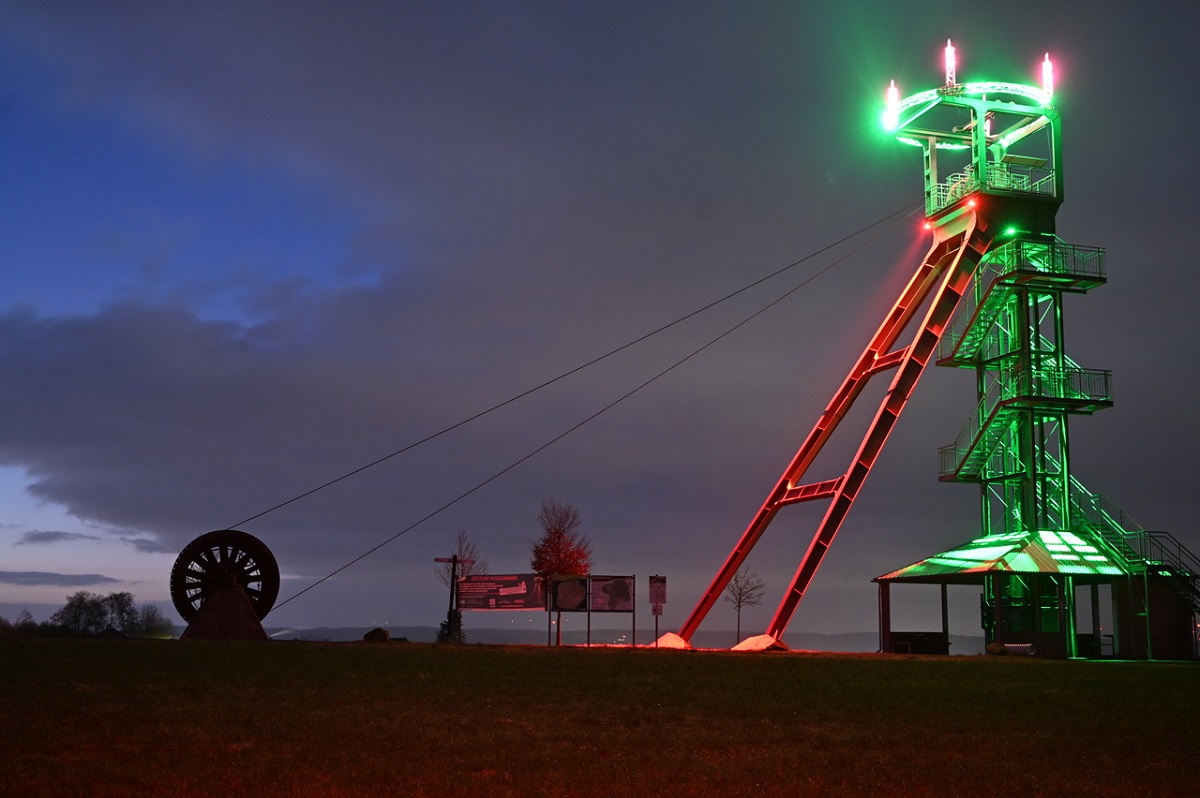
point(546, 445)
point(906, 210)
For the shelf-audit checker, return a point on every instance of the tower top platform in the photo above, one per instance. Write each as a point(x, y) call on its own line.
point(984, 137)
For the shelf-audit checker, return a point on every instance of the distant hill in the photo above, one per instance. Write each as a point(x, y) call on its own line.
point(852, 642)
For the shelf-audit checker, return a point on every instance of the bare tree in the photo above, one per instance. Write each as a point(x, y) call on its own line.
point(469, 561)
point(746, 589)
point(464, 561)
point(562, 550)
point(153, 622)
point(25, 623)
point(83, 614)
point(88, 614)
point(122, 614)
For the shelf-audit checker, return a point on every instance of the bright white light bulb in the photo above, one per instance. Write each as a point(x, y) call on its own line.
point(891, 112)
point(951, 63)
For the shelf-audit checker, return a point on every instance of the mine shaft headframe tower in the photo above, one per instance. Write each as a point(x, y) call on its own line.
point(992, 165)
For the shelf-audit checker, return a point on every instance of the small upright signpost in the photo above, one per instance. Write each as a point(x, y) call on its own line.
point(658, 597)
point(454, 617)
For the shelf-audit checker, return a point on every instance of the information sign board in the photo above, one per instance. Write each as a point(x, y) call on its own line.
point(570, 594)
point(501, 592)
point(611, 593)
point(658, 590)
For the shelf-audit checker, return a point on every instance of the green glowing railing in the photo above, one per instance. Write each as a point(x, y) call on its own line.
point(1013, 389)
point(989, 458)
point(1152, 547)
point(1023, 179)
point(1050, 257)
point(1110, 523)
point(1164, 548)
point(1159, 551)
point(956, 187)
point(1072, 385)
point(1000, 176)
point(1016, 262)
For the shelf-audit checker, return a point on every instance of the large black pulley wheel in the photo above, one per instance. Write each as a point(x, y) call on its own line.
point(222, 558)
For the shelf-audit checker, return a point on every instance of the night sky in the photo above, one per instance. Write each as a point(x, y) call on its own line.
point(248, 248)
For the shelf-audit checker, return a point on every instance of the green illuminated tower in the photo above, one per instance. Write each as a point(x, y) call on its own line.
point(1046, 540)
point(988, 296)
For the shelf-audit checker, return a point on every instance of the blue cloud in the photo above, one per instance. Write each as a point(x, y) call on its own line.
point(35, 578)
point(41, 537)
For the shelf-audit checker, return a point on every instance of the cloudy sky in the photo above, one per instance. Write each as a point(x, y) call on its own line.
point(248, 248)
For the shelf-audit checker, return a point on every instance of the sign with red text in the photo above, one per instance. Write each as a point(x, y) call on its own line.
point(502, 592)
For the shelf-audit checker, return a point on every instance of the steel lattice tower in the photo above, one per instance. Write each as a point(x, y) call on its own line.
point(987, 296)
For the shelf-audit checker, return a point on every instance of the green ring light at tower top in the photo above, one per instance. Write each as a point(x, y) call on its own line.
point(899, 113)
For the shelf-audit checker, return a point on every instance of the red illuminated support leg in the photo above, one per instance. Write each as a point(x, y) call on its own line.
point(960, 256)
point(945, 256)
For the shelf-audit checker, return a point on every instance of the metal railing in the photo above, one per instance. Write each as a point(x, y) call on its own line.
point(1111, 523)
point(1025, 179)
point(1163, 547)
point(1041, 384)
point(978, 306)
point(1147, 549)
point(1065, 384)
point(999, 176)
point(993, 460)
point(1047, 257)
point(956, 187)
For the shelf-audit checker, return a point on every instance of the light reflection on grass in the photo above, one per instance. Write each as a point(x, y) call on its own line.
point(170, 718)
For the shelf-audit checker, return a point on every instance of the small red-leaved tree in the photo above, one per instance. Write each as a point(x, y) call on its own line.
point(562, 550)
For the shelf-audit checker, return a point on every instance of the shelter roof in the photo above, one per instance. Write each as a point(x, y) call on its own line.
point(1018, 552)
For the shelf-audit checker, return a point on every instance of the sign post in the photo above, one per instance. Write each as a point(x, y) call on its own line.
point(658, 597)
point(453, 616)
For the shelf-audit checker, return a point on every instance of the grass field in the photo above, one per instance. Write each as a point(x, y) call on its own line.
point(166, 718)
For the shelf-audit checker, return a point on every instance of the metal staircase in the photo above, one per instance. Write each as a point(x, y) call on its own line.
point(977, 453)
point(1045, 263)
point(1024, 375)
point(1159, 553)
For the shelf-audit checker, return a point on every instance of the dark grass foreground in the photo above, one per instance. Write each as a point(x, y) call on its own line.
point(144, 718)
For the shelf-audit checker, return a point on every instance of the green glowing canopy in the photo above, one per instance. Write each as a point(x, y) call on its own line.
point(1021, 552)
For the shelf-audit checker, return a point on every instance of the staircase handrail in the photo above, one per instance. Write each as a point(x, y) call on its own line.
point(1163, 547)
point(1152, 547)
point(1114, 526)
point(1050, 383)
point(1048, 257)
